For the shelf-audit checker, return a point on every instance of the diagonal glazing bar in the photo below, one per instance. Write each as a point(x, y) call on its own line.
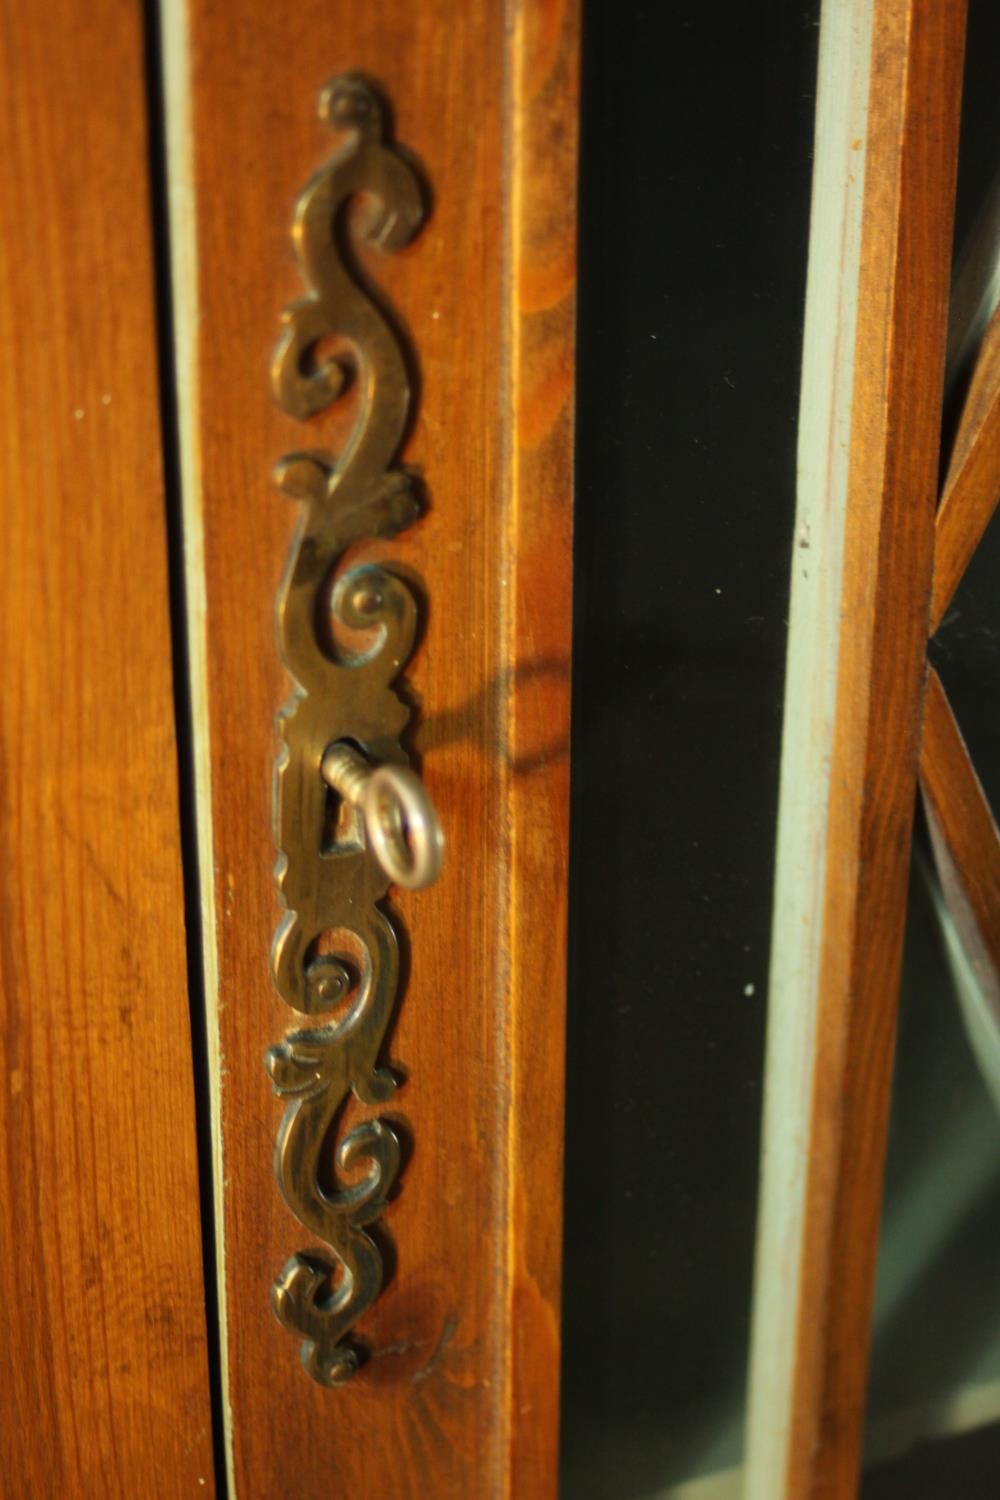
point(972, 483)
point(966, 844)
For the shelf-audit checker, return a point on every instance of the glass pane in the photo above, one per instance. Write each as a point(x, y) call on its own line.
point(964, 1466)
point(695, 185)
point(936, 1333)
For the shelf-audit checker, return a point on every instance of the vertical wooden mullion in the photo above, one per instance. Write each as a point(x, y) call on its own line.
point(825, 1129)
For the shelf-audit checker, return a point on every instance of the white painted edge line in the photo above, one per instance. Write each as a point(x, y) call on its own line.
point(175, 45)
point(810, 699)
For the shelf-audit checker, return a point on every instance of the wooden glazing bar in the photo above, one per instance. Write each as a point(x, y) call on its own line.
point(824, 1152)
point(965, 837)
point(972, 484)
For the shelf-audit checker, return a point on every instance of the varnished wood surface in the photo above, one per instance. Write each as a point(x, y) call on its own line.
point(911, 152)
point(972, 485)
point(542, 119)
point(965, 836)
point(104, 1391)
point(460, 1396)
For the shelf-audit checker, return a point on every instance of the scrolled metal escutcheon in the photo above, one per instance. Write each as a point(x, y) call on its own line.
point(350, 817)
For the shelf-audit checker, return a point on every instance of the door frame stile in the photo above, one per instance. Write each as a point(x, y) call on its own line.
point(832, 1027)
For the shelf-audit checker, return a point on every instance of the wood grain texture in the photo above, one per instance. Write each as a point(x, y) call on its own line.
point(105, 1387)
point(965, 837)
point(911, 153)
point(460, 1396)
point(972, 484)
point(541, 203)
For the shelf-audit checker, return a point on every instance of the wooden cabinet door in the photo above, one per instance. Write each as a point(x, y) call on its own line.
point(105, 1385)
point(147, 191)
point(203, 381)
point(456, 1393)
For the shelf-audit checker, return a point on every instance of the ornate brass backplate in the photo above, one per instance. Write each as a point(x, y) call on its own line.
point(345, 633)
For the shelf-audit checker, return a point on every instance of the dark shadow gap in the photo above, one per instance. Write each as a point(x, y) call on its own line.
point(696, 173)
point(180, 647)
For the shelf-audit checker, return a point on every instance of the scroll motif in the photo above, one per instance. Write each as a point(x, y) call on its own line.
point(335, 955)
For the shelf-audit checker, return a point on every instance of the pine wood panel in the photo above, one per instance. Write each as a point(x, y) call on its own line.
point(460, 1394)
point(105, 1387)
point(972, 484)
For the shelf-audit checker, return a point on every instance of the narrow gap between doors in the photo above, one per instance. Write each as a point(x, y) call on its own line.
point(183, 714)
